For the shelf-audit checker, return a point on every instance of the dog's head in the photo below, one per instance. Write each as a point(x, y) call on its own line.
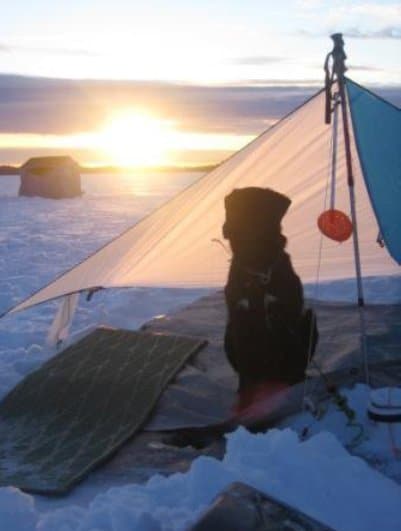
point(253, 220)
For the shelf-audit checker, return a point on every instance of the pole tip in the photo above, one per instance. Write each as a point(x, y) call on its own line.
point(337, 39)
point(336, 36)
point(338, 53)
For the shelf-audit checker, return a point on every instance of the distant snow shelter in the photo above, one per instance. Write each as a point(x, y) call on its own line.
point(52, 177)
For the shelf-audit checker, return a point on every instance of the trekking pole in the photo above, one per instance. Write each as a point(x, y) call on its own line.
point(338, 69)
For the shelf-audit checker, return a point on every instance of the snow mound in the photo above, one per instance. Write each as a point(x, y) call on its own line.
point(317, 476)
point(17, 510)
point(378, 443)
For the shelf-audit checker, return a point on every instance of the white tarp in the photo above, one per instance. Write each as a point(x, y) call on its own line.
point(174, 245)
point(60, 327)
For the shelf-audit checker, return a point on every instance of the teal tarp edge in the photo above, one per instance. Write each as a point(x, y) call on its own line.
point(377, 130)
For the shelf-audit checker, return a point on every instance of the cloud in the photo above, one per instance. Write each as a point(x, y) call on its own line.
point(309, 4)
point(5, 48)
point(256, 60)
point(363, 68)
point(50, 106)
point(377, 12)
point(390, 32)
point(54, 106)
point(369, 18)
point(280, 83)
point(358, 68)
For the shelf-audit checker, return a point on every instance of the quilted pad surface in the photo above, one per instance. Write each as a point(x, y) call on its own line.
point(83, 404)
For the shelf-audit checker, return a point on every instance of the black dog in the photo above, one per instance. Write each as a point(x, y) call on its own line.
point(269, 336)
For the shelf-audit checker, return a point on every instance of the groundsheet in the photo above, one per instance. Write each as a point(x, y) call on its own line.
point(83, 404)
point(205, 390)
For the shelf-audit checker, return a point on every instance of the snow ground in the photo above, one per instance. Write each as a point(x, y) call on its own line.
point(38, 239)
point(317, 476)
point(41, 238)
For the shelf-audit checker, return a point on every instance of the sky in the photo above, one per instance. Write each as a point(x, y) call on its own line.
point(175, 82)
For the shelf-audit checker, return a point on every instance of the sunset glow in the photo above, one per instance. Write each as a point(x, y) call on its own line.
point(135, 139)
point(186, 84)
point(132, 138)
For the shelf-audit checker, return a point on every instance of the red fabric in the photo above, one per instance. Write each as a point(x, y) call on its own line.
point(335, 225)
point(257, 400)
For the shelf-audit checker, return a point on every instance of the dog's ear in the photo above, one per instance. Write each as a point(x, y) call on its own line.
point(276, 203)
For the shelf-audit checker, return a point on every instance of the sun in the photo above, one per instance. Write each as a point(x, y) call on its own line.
point(133, 138)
